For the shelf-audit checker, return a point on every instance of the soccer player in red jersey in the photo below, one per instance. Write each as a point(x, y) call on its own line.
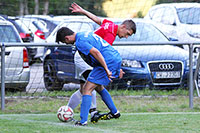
point(108, 31)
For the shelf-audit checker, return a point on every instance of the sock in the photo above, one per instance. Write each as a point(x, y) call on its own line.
point(85, 107)
point(75, 99)
point(94, 104)
point(108, 100)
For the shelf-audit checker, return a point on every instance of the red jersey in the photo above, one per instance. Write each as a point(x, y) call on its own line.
point(107, 31)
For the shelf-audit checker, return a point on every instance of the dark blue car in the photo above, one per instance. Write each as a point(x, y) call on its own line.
point(158, 66)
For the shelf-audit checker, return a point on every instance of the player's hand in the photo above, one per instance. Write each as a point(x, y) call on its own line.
point(109, 74)
point(121, 73)
point(75, 8)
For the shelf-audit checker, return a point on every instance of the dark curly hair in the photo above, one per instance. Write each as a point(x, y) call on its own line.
point(62, 32)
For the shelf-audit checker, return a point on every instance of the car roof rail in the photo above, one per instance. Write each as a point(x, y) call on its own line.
point(2, 18)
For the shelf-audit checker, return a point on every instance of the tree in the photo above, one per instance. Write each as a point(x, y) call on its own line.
point(36, 11)
point(54, 7)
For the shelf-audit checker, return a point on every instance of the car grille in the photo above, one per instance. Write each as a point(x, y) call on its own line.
point(166, 73)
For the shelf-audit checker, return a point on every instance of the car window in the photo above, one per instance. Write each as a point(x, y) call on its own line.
point(30, 25)
point(40, 25)
point(189, 15)
point(75, 26)
point(86, 27)
point(145, 32)
point(168, 16)
point(157, 14)
point(8, 34)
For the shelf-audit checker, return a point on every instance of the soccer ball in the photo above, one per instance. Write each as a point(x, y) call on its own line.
point(65, 114)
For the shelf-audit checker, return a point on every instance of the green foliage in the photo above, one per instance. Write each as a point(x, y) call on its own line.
point(62, 8)
point(9, 7)
point(56, 7)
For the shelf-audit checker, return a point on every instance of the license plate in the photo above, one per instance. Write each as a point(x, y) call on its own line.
point(162, 75)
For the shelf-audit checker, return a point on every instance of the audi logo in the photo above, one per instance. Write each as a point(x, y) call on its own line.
point(166, 66)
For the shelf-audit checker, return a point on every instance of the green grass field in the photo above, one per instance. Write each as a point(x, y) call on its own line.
point(145, 111)
point(170, 122)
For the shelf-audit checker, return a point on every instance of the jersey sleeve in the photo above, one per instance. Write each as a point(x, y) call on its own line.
point(84, 46)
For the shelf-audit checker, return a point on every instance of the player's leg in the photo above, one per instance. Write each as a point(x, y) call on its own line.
point(114, 113)
point(86, 101)
point(75, 99)
point(93, 108)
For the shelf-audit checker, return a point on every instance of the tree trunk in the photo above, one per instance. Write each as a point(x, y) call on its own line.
point(36, 7)
point(26, 7)
point(46, 7)
point(21, 8)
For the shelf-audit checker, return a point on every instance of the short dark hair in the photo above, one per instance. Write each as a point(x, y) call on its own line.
point(62, 32)
point(130, 25)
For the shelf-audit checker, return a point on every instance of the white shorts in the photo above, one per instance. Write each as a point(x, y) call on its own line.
point(80, 66)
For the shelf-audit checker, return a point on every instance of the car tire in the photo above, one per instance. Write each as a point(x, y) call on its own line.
point(51, 81)
point(198, 80)
point(117, 84)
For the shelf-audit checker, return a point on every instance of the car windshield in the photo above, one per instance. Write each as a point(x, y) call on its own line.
point(8, 34)
point(189, 15)
point(40, 25)
point(145, 32)
point(21, 27)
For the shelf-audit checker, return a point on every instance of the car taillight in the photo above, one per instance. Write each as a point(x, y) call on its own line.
point(25, 59)
point(24, 35)
point(40, 34)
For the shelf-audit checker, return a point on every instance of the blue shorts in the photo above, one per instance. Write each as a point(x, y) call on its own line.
point(99, 76)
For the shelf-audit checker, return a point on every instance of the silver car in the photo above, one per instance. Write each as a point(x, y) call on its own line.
point(17, 71)
point(180, 21)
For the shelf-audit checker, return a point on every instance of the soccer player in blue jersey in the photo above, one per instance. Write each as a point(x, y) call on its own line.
point(106, 63)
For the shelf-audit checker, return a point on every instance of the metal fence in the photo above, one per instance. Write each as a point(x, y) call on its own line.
point(192, 79)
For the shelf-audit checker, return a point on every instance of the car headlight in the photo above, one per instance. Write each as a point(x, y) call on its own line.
point(131, 63)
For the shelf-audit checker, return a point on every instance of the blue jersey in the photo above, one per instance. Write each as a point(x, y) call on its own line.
point(85, 41)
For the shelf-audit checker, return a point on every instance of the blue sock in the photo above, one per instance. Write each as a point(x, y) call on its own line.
point(108, 100)
point(85, 107)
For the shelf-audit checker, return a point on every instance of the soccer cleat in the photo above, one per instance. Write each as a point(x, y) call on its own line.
point(96, 116)
point(78, 123)
point(109, 116)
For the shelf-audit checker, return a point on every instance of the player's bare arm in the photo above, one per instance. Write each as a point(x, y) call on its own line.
point(77, 9)
point(121, 73)
point(97, 55)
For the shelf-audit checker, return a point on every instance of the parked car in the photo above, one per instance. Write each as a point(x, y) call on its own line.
point(156, 66)
point(177, 20)
point(49, 22)
point(39, 29)
point(17, 72)
point(25, 34)
point(161, 66)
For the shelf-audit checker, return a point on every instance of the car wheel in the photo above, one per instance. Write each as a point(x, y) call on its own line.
point(117, 84)
point(50, 79)
point(198, 80)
